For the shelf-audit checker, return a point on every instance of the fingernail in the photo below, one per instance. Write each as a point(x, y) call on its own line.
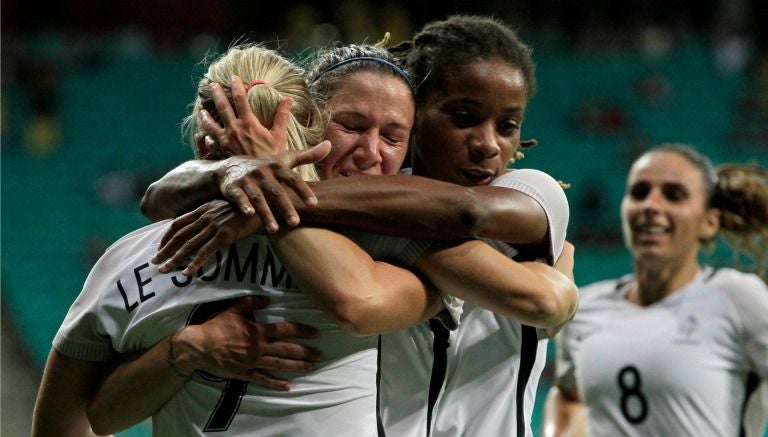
point(312, 201)
point(272, 227)
point(292, 220)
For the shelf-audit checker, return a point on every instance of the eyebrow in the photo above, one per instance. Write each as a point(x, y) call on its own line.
point(358, 116)
point(478, 103)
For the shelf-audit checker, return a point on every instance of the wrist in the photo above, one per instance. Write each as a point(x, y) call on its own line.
point(180, 354)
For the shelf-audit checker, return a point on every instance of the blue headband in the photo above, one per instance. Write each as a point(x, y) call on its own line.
point(394, 67)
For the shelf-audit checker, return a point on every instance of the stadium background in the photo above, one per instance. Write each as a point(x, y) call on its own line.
point(93, 92)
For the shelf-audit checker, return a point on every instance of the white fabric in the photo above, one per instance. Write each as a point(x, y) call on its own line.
point(478, 396)
point(126, 306)
point(692, 352)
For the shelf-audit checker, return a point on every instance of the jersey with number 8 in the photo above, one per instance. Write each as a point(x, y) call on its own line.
point(678, 367)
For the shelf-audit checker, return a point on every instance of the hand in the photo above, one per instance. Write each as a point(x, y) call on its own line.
point(243, 133)
point(256, 185)
point(212, 226)
point(232, 346)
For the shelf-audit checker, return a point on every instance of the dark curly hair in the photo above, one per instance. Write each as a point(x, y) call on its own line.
point(458, 40)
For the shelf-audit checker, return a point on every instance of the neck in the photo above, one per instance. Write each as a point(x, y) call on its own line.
point(655, 282)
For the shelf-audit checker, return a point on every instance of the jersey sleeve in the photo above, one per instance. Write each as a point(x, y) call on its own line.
point(749, 296)
point(397, 250)
point(549, 194)
point(82, 334)
point(97, 318)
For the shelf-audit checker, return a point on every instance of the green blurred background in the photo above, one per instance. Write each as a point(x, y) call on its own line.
point(93, 93)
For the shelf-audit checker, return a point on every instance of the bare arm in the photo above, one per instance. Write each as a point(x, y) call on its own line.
point(182, 189)
point(418, 207)
point(60, 409)
point(364, 296)
point(228, 345)
point(564, 414)
point(531, 292)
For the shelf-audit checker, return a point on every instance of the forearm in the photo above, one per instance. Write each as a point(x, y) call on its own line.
point(564, 416)
point(182, 189)
point(418, 207)
point(533, 293)
point(135, 389)
point(364, 296)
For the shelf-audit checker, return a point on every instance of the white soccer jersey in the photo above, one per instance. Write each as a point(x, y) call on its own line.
point(127, 306)
point(678, 367)
point(484, 382)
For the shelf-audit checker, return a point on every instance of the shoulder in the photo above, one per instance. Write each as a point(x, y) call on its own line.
point(746, 292)
point(533, 182)
point(138, 242)
point(601, 290)
point(732, 280)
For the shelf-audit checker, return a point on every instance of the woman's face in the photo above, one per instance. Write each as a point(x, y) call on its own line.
point(371, 121)
point(664, 211)
point(468, 127)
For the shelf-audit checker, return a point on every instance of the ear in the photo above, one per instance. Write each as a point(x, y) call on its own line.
point(710, 225)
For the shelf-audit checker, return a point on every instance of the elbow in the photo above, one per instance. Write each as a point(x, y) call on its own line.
point(558, 306)
point(106, 428)
point(147, 205)
point(355, 317)
point(470, 215)
point(102, 423)
point(548, 309)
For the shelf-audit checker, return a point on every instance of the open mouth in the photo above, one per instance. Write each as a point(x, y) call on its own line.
point(650, 233)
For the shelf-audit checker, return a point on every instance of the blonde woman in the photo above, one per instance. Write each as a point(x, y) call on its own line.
point(128, 306)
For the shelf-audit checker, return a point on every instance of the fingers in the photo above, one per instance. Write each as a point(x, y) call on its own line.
point(284, 364)
point(294, 181)
point(261, 208)
point(299, 186)
point(282, 330)
point(226, 113)
point(201, 256)
point(291, 355)
point(184, 246)
point(178, 224)
point(279, 128)
point(273, 191)
point(264, 379)
point(209, 125)
point(239, 98)
point(310, 156)
point(239, 197)
point(247, 304)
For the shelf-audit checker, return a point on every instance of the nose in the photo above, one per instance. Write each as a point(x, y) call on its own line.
point(483, 144)
point(653, 201)
point(367, 151)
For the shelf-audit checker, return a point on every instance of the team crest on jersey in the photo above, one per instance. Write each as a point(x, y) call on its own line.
point(687, 330)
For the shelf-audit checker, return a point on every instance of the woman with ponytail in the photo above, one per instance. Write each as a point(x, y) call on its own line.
point(677, 347)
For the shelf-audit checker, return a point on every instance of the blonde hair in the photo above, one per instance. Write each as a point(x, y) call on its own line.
point(281, 78)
